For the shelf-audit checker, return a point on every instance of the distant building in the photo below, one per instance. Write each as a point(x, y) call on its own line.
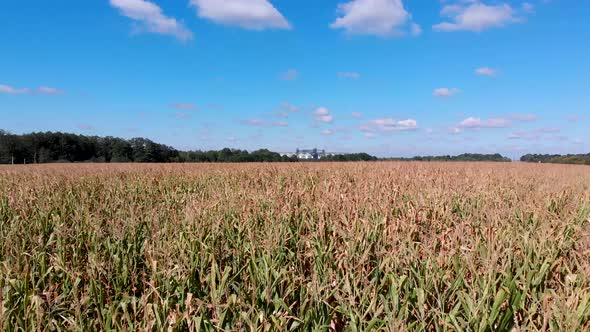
point(308, 154)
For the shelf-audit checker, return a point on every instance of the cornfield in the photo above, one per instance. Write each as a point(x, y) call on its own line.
point(295, 247)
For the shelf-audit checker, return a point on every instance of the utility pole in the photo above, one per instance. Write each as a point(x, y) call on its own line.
point(12, 162)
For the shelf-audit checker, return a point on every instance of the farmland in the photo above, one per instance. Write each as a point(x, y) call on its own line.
point(274, 247)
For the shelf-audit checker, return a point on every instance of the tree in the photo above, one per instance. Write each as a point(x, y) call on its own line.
point(45, 147)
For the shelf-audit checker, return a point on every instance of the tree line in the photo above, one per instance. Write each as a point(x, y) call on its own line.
point(51, 147)
point(462, 157)
point(578, 159)
point(64, 147)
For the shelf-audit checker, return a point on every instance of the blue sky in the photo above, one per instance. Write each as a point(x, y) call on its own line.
point(388, 77)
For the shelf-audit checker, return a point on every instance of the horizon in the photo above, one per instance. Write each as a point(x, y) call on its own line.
point(390, 78)
point(309, 150)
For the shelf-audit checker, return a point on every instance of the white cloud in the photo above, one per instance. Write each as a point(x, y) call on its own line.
point(474, 15)
point(248, 14)
point(478, 123)
point(184, 106)
point(253, 122)
point(374, 17)
point(43, 90)
point(284, 110)
point(324, 118)
point(455, 131)
point(49, 91)
point(389, 125)
point(349, 75)
point(281, 113)
point(522, 117)
point(370, 135)
point(528, 7)
point(150, 18)
point(321, 111)
point(13, 91)
point(445, 92)
point(290, 75)
point(575, 118)
point(327, 132)
point(535, 135)
point(504, 121)
point(323, 114)
point(181, 115)
point(485, 71)
point(415, 29)
point(356, 115)
point(521, 135)
point(264, 123)
point(290, 108)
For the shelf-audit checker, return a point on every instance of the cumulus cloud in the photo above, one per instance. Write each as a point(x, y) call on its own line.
point(356, 115)
point(324, 118)
point(247, 14)
point(474, 15)
point(485, 71)
point(149, 17)
point(375, 17)
point(43, 90)
point(290, 75)
point(478, 123)
point(389, 125)
point(496, 122)
point(574, 118)
point(349, 75)
point(184, 106)
point(280, 124)
point(321, 111)
point(445, 92)
point(323, 114)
